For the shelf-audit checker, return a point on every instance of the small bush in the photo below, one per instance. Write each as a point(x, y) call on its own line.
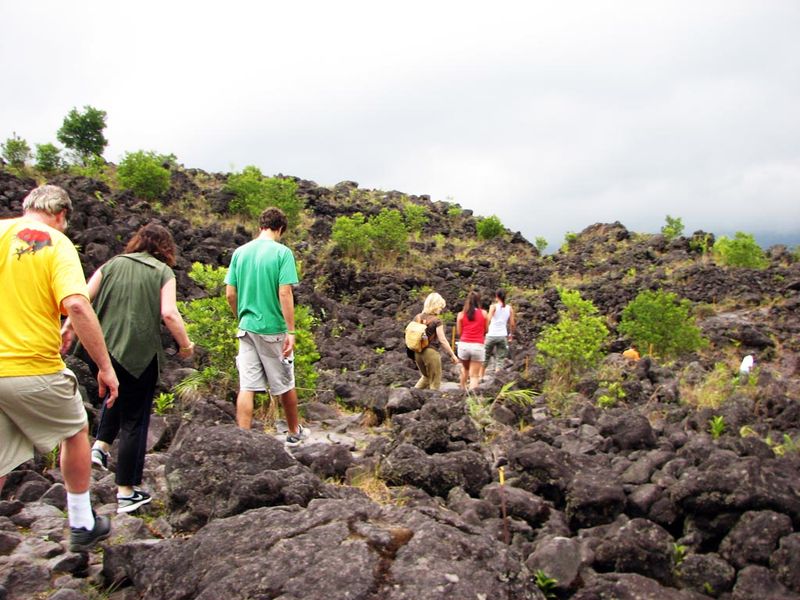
point(144, 174)
point(351, 236)
point(541, 244)
point(254, 192)
point(574, 343)
point(659, 320)
point(489, 228)
point(673, 228)
point(415, 216)
point(48, 158)
point(388, 233)
point(16, 151)
point(741, 251)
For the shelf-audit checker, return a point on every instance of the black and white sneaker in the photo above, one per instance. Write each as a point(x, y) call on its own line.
point(126, 504)
point(295, 439)
point(82, 539)
point(100, 458)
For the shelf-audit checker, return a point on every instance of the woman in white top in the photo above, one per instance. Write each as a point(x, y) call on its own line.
point(500, 332)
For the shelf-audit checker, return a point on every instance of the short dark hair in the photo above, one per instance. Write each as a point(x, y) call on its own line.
point(154, 239)
point(274, 219)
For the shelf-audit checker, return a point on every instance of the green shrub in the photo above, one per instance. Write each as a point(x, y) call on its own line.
point(93, 167)
point(659, 320)
point(306, 353)
point(388, 233)
point(574, 343)
point(716, 426)
point(489, 228)
point(48, 158)
point(83, 132)
point(415, 215)
point(351, 236)
point(569, 239)
point(211, 324)
point(741, 251)
point(253, 193)
point(16, 151)
point(541, 244)
point(454, 212)
point(673, 228)
point(144, 174)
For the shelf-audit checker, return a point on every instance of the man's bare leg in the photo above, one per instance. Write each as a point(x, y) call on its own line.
point(76, 462)
point(289, 403)
point(244, 409)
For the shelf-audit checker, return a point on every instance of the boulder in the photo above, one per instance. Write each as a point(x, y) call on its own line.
point(358, 549)
point(753, 539)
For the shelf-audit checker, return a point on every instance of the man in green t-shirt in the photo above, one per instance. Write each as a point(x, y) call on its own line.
point(259, 290)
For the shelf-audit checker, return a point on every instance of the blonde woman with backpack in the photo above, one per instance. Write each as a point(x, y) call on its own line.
point(429, 361)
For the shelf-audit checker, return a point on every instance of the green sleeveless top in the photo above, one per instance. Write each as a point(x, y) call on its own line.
point(128, 305)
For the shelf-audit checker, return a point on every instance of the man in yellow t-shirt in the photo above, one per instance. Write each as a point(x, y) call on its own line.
point(41, 279)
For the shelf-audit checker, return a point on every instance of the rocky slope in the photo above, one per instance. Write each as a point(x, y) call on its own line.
point(398, 493)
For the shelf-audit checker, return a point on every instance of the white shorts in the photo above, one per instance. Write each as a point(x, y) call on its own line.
point(471, 351)
point(262, 365)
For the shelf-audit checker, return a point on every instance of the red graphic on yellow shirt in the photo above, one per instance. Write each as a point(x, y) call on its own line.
point(35, 239)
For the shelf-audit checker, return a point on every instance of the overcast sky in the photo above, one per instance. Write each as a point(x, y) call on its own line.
point(550, 115)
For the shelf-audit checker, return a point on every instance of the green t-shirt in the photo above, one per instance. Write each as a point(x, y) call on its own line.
point(257, 270)
point(128, 305)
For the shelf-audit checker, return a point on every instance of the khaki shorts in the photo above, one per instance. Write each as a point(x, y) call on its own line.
point(37, 411)
point(261, 363)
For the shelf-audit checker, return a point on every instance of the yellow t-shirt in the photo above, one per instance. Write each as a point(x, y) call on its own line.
point(39, 267)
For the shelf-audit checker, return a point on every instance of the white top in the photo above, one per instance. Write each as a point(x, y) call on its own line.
point(498, 325)
point(747, 365)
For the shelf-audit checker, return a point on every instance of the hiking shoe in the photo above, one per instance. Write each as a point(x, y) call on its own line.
point(82, 540)
point(126, 504)
point(295, 439)
point(100, 458)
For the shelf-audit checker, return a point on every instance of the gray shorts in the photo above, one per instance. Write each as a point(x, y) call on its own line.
point(471, 351)
point(261, 363)
point(37, 411)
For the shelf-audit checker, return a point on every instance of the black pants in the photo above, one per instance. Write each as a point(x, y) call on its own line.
point(129, 418)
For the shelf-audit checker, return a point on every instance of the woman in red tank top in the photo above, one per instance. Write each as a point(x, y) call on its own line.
point(471, 326)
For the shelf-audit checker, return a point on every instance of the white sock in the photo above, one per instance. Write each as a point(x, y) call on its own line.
point(79, 508)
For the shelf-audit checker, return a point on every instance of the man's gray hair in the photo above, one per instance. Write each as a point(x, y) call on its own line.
point(49, 199)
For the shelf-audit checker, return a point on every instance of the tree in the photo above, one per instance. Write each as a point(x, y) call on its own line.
point(741, 251)
point(489, 227)
point(253, 193)
point(541, 244)
point(574, 343)
point(144, 173)
point(673, 228)
point(48, 158)
point(83, 132)
point(16, 151)
point(661, 321)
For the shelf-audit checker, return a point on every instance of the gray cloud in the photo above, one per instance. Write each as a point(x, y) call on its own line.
point(552, 118)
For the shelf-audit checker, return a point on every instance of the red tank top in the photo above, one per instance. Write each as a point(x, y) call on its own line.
point(473, 331)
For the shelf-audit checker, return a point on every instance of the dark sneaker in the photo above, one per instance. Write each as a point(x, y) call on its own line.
point(131, 503)
point(295, 439)
point(82, 540)
point(100, 458)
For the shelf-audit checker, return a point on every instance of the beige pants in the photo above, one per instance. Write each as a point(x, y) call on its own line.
point(429, 363)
